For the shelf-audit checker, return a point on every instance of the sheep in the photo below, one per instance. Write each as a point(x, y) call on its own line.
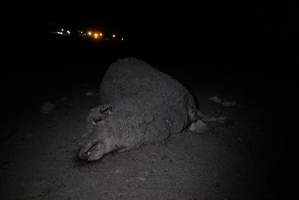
point(138, 105)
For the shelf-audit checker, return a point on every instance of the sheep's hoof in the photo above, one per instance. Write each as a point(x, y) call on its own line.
point(198, 127)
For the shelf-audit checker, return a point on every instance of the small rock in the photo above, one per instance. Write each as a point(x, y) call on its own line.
point(89, 94)
point(47, 107)
point(215, 99)
point(141, 178)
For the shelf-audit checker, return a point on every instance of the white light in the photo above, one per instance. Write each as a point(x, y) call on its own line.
point(68, 32)
point(59, 33)
point(113, 35)
point(89, 33)
point(62, 29)
point(122, 39)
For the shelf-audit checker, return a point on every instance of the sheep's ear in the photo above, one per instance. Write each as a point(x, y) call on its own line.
point(105, 109)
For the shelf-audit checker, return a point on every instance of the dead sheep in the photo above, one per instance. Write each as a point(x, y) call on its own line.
point(138, 104)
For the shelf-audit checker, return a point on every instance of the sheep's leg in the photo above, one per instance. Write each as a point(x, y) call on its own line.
point(198, 127)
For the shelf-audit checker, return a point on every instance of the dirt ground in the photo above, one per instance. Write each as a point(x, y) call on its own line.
point(236, 160)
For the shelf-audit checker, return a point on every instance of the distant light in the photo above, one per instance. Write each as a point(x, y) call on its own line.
point(96, 35)
point(101, 34)
point(114, 36)
point(59, 33)
point(122, 39)
point(89, 33)
point(62, 29)
point(68, 32)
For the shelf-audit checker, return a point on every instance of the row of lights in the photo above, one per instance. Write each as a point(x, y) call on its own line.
point(98, 35)
point(62, 32)
point(94, 35)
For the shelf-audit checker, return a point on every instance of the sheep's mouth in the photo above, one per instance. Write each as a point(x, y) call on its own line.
point(92, 148)
point(91, 151)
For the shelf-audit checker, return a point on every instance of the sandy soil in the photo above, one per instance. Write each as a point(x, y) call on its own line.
point(228, 162)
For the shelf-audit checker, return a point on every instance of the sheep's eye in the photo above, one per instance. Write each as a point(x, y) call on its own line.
point(94, 122)
point(98, 119)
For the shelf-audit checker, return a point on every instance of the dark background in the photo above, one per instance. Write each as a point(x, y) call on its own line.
point(253, 36)
point(251, 44)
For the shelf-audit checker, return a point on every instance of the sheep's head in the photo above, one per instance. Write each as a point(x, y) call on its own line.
point(96, 145)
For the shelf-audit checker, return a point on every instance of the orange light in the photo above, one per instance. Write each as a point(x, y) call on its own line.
point(101, 34)
point(96, 35)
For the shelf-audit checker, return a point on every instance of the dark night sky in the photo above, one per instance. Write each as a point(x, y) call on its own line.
point(233, 28)
point(215, 21)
